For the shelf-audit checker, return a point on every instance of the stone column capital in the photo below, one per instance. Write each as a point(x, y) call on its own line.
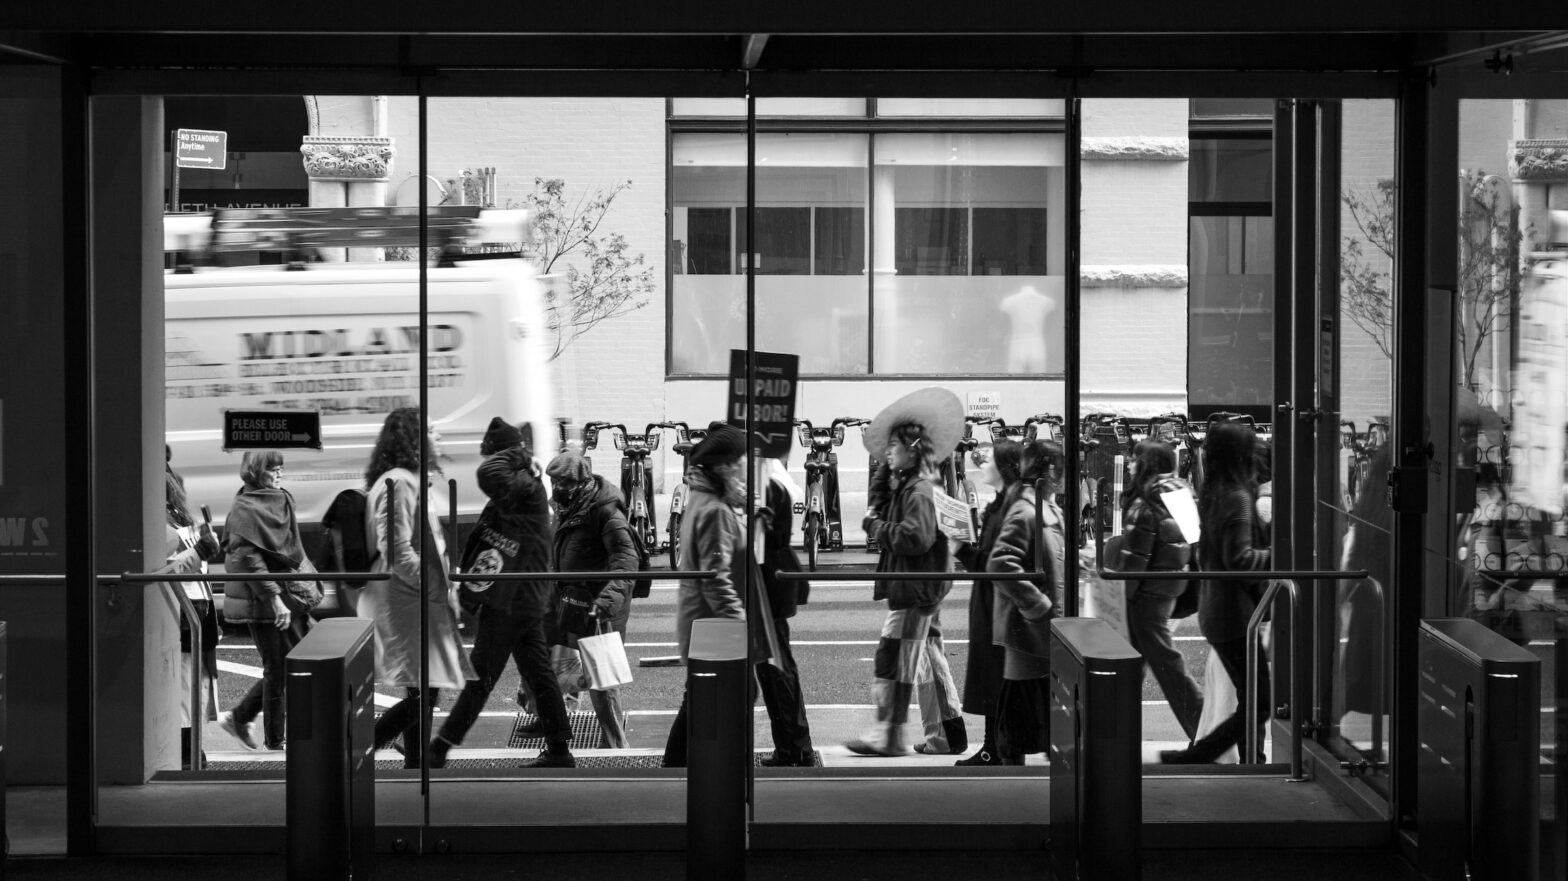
point(347, 159)
point(1538, 159)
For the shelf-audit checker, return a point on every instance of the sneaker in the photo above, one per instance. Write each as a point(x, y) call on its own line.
point(549, 759)
point(862, 748)
point(234, 729)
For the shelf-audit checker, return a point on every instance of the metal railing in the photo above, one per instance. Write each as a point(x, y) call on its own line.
point(1288, 579)
point(913, 576)
point(614, 575)
point(193, 620)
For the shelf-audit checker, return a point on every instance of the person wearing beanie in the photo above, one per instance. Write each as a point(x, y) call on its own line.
point(711, 539)
point(592, 534)
point(511, 535)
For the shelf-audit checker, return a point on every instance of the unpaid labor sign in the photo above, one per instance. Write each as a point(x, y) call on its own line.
point(272, 429)
point(767, 406)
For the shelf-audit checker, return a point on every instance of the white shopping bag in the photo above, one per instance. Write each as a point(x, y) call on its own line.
point(1219, 702)
point(604, 657)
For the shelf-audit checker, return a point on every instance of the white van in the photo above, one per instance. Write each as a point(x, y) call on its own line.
point(343, 339)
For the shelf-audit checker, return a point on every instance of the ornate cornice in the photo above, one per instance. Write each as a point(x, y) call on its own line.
point(362, 158)
point(1539, 159)
point(1134, 149)
point(1147, 275)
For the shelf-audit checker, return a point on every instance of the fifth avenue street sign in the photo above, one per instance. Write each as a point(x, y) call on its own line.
point(194, 148)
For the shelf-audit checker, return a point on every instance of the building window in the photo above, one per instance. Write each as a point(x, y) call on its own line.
point(876, 253)
point(1231, 270)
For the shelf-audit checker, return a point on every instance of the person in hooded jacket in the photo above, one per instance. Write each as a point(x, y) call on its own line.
point(263, 536)
point(593, 535)
point(512, 535)
point(1152, 541)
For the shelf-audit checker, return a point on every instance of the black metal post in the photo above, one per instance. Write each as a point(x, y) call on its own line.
point(1096, 734)
point(331, 775)
point(719, 750)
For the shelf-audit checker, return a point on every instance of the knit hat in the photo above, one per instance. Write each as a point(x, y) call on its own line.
point(724, 443)
point(938, 412)
point(501, 435)
point(570, 467)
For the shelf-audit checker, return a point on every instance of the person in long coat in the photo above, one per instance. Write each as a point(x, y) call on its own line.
point(410, 547)
point(711, 540)
point(1234, 540)
point(1022, 609)
point(780, 681)
point(1000, 467)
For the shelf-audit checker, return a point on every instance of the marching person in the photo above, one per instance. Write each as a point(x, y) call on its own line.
point(711, 540)
point(410, 547)
point(1152, 541)
point(780, 682)
point(912, 436)
point(263, 536)
point(593, 535)
point(1234, 540)
point(1001, 467)
point(1023, 609)
point(512, 535)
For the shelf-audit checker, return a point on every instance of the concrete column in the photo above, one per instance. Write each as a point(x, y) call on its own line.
point(348, 171)
point(139, 641)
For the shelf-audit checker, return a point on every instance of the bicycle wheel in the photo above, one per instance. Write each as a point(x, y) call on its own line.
point(675, 542)
point(812, 528)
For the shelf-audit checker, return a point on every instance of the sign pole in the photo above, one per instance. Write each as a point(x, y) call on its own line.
point(174, 173)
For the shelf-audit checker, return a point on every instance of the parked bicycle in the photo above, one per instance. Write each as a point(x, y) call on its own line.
point(636, 474)
point(821, 524)
point(963, 487)
point(683, 447)
point(871, 470)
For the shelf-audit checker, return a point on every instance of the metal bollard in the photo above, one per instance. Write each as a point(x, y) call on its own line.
point(1096, 734)
point(718, 751)
point(1478, 770)
point(331, 776)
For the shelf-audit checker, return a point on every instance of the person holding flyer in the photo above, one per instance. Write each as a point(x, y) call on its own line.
point(1154, 540)
point(912, 436)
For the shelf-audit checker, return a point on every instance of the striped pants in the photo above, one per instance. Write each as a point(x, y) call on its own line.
point(911, 662)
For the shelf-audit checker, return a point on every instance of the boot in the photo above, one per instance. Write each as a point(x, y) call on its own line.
point(957, 735)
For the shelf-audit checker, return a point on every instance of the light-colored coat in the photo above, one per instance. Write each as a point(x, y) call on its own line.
point(711, 539)
point(394, 605)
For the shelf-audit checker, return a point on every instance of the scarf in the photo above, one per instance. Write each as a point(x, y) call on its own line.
point(265, 518)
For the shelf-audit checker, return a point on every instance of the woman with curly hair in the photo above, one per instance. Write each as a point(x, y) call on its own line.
point(419, 580)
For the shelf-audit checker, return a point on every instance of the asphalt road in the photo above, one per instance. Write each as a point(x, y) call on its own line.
point(834, 638)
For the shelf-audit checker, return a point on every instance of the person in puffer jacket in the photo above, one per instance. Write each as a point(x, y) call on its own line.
point(592, 535)
point(1152, 541)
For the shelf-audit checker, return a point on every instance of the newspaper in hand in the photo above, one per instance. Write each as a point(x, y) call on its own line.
point(954, 517)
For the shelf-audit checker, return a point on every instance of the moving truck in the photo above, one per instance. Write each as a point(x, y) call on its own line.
point(343, 339)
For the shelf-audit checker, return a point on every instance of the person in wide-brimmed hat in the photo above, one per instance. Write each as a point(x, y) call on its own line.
point(711, 539)
point(911, 437)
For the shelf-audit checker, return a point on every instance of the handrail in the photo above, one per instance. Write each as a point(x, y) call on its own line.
point(239, 577)
point(620, 574)
point(912, 576)
point(31, 579)
point(1287, 577)
point(1206, 575)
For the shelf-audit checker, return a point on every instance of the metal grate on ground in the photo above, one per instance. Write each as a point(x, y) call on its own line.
point(585, 731)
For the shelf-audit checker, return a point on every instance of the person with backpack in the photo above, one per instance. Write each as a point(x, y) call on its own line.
point(1153, 541)
point(405, 536)
point(593, 535)
point(512, 535)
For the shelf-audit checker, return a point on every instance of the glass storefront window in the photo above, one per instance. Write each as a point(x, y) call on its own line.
point(969, 107)
point(773, 107)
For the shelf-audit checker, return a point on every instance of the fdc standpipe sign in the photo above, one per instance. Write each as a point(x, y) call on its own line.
point(196, 148)
point(271, 429)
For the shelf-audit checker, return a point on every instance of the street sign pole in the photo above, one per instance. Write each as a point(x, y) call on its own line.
point(174, 172)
